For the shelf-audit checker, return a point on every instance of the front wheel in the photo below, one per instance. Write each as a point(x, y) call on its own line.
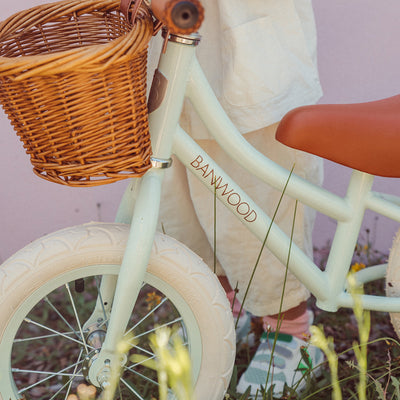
point(48, 290)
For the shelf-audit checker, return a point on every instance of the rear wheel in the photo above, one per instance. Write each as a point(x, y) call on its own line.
point(48, 291)
point(393, 280)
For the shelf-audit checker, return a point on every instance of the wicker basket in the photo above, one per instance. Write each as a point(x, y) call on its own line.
point(73, 83)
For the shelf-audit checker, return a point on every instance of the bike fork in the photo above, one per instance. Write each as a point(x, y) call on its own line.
point(131, 276)
point(106, 290)
point(172, 76)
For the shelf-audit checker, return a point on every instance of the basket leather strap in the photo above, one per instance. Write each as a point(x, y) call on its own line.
point(130, 8)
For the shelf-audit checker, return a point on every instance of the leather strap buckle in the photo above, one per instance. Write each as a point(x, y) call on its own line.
point(130, 8)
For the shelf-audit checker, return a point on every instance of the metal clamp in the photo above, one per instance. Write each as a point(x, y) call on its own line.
point(192, 39)
point(160, 163)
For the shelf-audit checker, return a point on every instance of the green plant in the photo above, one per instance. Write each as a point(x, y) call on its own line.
point(173, 365)
point(368, 386)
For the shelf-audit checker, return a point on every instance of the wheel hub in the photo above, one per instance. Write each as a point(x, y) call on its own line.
point(95, 339)
point(88, 362)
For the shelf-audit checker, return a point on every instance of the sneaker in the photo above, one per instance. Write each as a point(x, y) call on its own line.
point(242, 321)
point(243, 329)
point(288, 366)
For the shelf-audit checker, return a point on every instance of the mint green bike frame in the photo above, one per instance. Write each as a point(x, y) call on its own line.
point(140, 204)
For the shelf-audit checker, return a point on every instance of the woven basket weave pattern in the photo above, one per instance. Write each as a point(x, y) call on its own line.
point(73, 83)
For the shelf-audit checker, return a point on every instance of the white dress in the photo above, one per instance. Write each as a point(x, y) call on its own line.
point(260, 58)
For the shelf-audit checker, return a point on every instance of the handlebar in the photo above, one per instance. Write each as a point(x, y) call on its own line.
point(178, 16)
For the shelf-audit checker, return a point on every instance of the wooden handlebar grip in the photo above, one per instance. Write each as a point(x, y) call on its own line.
point(179, 16)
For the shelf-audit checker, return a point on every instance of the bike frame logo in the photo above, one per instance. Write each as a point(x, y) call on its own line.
point(225, 192)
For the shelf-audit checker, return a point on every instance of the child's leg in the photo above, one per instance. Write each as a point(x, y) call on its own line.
point(237, 248)
point(295, 322)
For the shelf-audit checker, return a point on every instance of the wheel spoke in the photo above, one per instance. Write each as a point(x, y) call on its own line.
point(62, 388)
point(158, 327)
point(35, 371)
point(28, 339)
point(139, 374)
point(77, 317)
point(72, 379)
point(69, 383)
point(131, 389)
point(51, 375)
point(147, 315)
point(30, 321)
point(47, 300)
point(140, 363)
point(143, 350)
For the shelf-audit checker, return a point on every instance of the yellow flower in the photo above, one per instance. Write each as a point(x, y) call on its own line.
point(357, 267)
point(152, 299)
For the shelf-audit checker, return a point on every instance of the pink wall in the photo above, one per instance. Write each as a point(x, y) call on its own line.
point(359, 61)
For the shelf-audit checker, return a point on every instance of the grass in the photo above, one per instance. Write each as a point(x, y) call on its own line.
point(382, 351)
point(383, 356)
